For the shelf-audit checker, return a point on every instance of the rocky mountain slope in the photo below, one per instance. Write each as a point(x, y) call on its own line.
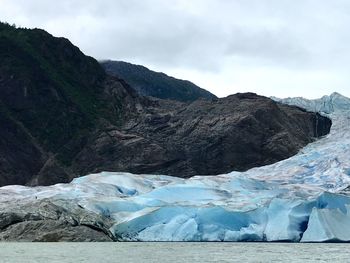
point(62, 116)
point(156, 84)
point(52, 97)
point(205, 137)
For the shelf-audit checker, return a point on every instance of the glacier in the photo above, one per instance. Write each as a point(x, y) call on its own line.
point(305, 198)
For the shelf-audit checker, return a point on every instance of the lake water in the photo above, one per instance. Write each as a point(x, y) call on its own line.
point(172, 252)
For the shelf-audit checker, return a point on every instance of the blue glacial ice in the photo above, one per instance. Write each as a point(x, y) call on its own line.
point(302, 199)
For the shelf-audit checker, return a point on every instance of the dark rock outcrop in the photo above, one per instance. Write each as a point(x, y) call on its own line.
point(47, 221)
point(206, 137)
point(156, 84)
point(62, 117)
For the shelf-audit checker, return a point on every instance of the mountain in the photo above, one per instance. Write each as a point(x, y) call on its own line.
point(305, 198)
point(159, 85)
point(206, 137)
point(52, 97)
point(62, 117)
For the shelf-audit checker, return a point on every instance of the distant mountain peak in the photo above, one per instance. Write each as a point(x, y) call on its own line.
point(336, 94)
point(156, 84)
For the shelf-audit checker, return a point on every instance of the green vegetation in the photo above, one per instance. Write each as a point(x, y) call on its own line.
point(52, 88)
point(156, 84)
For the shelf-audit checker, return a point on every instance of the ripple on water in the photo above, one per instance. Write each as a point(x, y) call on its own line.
point(172, 252)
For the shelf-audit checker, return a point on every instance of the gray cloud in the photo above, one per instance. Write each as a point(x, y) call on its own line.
point(273, 47)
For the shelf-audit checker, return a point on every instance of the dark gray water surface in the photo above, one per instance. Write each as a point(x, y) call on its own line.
point(172, 252)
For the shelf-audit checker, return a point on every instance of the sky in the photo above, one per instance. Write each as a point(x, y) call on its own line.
point(282, 48)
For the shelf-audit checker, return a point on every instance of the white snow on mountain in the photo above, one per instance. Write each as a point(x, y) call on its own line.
point(326, 104)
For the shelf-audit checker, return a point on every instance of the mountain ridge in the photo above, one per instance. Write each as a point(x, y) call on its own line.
point(156, 84)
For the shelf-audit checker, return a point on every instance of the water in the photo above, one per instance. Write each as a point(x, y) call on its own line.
point(172, 252)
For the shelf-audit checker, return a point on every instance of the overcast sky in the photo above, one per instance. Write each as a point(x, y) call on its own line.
point(271, 47)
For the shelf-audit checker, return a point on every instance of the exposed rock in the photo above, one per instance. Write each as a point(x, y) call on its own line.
point(51, 231)
point(46, 221)
point(205, 137)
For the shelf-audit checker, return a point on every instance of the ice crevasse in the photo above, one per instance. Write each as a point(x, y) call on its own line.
point(302, 199)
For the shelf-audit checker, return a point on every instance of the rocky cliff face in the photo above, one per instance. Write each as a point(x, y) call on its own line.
point(62, 117)
point(235, 133)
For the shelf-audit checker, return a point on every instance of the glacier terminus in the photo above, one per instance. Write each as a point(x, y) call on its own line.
point(305, 198)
